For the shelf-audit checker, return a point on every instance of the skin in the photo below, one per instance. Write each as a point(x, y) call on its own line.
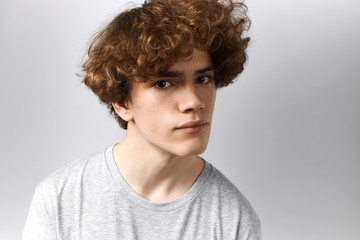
point(159, 156)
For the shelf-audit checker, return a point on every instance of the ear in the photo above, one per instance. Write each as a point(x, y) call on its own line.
point(123, 111)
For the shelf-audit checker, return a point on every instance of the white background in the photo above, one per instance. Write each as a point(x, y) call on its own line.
point(287, 133)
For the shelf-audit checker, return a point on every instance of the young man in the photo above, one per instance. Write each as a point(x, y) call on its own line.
point(157, 68)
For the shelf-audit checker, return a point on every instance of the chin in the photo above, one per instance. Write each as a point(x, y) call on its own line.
point(191, 150)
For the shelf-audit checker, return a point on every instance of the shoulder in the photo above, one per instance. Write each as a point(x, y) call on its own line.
point(230, 194)
point(236, 211)
point(69, 176)
point(60, 195)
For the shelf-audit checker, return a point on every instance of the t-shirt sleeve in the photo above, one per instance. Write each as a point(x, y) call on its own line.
point(41, 220)
point(238, 217)
point(252, 231)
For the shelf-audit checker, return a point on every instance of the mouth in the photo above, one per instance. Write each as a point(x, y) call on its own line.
point(192, 126)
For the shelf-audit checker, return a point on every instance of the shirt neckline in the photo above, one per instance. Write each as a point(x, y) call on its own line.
point(155, 206)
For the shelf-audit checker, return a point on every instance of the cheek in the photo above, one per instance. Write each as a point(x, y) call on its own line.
point(209, 98)
point(151, 112)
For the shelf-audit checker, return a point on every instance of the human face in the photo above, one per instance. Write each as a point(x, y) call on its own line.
point(173, 113)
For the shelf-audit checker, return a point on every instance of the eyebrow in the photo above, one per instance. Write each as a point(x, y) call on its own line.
point(181, 74)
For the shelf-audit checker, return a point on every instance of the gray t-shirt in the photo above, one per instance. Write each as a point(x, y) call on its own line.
point(89, 199)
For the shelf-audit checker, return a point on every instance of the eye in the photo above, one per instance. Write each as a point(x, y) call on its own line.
point(204, 79)
point(162, 84)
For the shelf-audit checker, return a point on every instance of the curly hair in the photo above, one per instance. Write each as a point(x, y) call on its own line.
point(147, 40)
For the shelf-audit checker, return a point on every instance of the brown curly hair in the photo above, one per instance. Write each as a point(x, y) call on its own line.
point(147, 40)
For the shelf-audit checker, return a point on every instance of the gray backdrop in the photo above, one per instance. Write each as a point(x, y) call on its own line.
point(287, 133)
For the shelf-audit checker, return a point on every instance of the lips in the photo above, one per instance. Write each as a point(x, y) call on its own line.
point(192, 126)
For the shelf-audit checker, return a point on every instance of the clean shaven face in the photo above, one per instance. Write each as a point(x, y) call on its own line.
point(173, 113)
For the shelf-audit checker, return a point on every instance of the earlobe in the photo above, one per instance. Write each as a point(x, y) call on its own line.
point(123, 111)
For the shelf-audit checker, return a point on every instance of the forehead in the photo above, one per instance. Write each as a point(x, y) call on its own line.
point(198, 60)
point(197, 63)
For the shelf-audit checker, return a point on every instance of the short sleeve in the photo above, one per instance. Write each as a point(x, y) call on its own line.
point(253, 230)
point(41, 220)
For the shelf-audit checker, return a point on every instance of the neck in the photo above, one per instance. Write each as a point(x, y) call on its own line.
point(154, 174)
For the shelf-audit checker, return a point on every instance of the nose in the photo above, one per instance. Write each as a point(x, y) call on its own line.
point(190, 100)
